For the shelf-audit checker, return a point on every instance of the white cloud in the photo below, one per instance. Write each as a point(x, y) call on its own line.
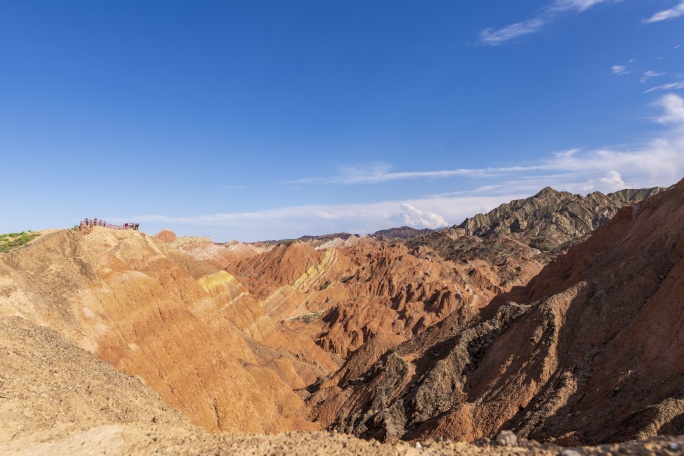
point(363, 218)
point(669, 86)
point(667, 14)
point(619, 69)
point(673, 105)
point(574, 5)
point(650, 74)
point(495, 37)
point(613, 179)
point(416, 218)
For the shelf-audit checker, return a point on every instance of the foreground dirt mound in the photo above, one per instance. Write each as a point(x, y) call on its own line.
point(588, 352)
point(47, 383)
point(158, 440)
point(190, 331)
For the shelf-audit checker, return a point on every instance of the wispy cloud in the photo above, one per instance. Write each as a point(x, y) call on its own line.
point(669, 86)
point(650, 74)
point(495, 37)
point(619, 69)
point(234, 187)
point(666, 14)
point(379, 173)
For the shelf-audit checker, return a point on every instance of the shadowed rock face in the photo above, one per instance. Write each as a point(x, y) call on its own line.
point(590, 351)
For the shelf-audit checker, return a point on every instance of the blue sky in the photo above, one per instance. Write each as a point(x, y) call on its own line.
point(275, 119)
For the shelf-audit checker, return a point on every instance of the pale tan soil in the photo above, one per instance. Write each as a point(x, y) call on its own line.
point(137, 440)
point(46, 383)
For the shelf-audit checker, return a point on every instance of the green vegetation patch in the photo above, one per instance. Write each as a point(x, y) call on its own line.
point(16, 240)
point(306, 318)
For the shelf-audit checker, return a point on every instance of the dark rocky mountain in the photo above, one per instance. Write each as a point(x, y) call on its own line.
point(548, 223)
point(403, 232)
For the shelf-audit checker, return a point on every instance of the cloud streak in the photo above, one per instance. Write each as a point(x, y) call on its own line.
point(666, 14)
point(380, 173)
point(234, 187)
point(650, 74)
point(495, 37)
point(668, 86)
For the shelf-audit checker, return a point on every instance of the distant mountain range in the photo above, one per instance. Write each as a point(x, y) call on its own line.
point(403, 232)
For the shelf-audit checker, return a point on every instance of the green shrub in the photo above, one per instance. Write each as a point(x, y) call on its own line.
point(15, 240)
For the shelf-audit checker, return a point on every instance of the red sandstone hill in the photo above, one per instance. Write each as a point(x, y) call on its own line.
point(590, 351)
point(343, 296)
point(166, 235)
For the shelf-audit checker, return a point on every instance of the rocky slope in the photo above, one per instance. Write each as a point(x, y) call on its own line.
point(192, 332)
point(588, 352)
point(545, 223)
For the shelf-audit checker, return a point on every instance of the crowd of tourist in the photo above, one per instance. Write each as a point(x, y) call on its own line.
point(87, 225)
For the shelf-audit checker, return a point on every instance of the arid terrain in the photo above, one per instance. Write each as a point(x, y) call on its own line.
point(558, 317)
